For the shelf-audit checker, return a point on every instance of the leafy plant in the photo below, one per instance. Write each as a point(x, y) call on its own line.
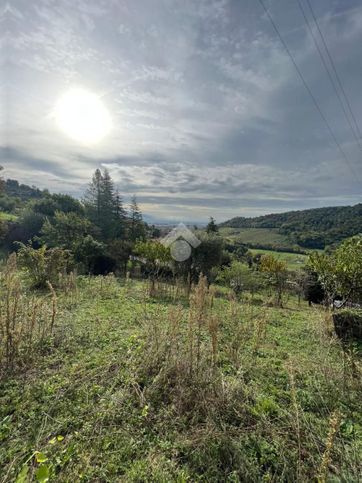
point(42, 265)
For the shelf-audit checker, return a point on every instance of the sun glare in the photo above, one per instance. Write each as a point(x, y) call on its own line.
point(82, 116)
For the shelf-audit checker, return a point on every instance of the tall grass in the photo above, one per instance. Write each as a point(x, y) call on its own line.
point(26, 318)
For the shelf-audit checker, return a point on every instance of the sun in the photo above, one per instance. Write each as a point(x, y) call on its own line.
point(82, 116)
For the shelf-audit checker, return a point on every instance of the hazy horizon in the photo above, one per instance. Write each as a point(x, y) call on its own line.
point(205, 113)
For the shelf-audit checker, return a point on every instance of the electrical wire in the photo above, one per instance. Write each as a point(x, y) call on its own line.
point(347, 115)
point(335, 71)
point(315, 102)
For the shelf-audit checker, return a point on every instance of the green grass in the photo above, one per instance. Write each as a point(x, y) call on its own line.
point(255, 235)
point(294, 261)
point(109, 396)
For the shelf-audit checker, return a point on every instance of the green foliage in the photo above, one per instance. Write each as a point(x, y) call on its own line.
point(104, 207)
point(204, 258)
point(211, 226)
point(276, 270)
point(136, 230)
point(117, 386)
point(314, 228)
point(348, 324)
point(42, 265)
point(67, 204)
point(120, 251)
point(154, 252)
point(7, 203)
point(16, 190)
point(86, 252)
point(65, 230)
point(239, 277)
point(341, 272)
point(312, 288)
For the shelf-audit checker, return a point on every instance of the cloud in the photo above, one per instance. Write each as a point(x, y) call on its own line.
point(208, 112)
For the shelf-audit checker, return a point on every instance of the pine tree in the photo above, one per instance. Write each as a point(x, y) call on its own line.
point(108, 208)
point(212, 226)
point(93, 198)
point(137, 229)
point(101, 204)
point(120, 215)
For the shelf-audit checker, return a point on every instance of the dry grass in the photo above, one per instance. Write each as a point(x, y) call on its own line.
point(27, 319)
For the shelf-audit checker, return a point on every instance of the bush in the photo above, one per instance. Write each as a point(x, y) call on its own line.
point(348, 324)
point(42, 265)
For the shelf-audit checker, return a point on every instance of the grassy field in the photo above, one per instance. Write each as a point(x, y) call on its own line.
point(141, 389)
point(294, 261)
point(255, 235)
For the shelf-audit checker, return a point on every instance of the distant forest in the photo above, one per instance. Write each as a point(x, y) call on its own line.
point(313, 228)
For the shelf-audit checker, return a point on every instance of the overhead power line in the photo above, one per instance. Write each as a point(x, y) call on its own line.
point(347, 115)
point(315, 102)
point(335, 71)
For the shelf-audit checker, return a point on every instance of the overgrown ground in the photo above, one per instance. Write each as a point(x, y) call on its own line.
point(133, 388)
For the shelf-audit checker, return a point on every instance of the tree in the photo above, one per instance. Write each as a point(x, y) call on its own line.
point(87, 251)
point(120, 250)
point(341, 272)
point(312, 288)
point(136, 225)
point(276, 270)
point(93, 198)
point(203, 259)
point(65, 230)
point(212, 226)
point(120, 217)
point(108, 222)
point(67, 204)
point(240, 278)
point(155, 256)
point(42, 265)
point(104, 207)
point(2, 182)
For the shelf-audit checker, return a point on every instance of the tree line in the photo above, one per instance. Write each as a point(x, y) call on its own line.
point(99, 231)
point(100, 234)
point(313, 228)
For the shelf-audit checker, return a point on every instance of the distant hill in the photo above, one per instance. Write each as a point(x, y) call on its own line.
point(313, 228)
point(14, 189)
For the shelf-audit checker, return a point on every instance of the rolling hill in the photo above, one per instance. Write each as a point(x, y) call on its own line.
point(312, 228)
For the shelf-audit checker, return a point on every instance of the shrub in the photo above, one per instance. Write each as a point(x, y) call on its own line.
point(348, 324)
point(42, 265)
point(25, 321)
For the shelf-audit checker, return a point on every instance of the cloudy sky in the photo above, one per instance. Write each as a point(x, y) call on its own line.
point(209, 116)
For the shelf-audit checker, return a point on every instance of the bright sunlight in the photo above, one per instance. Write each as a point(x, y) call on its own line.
point(82, 116)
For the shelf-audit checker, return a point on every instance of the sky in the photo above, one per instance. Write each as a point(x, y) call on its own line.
point(208, 114)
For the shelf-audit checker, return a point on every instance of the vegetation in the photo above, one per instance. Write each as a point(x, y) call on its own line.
point(315, 228)
point(294, 261)
point(341, 272)
point(129, 387)
point(119, 363)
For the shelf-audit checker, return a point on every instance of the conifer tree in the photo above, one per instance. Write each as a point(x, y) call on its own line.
point(212, 226)
point(120, 216)
point(137, 229)
point(108, 208)
point(101, 204)
point(93, 198)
